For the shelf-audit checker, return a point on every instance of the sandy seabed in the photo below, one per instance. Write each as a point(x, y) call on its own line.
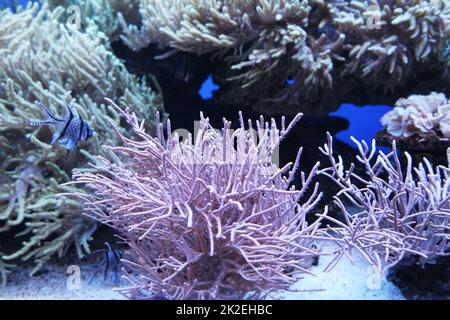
point(347, 281)
point(54, 284)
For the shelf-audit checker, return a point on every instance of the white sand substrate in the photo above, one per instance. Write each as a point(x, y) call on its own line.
point(347, 281)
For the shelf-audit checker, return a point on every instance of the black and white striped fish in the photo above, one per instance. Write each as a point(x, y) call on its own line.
point(109, 263)
point(69, 130)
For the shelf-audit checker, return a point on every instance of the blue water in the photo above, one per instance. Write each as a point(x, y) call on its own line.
point(364, 121)
point(207, 89)
point(9, 3)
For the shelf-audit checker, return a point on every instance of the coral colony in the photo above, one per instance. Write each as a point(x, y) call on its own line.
point(206, 219)
point(212, 214)
point(318, 45)
point(210, 217)
point(400, 212)
point(376, 55)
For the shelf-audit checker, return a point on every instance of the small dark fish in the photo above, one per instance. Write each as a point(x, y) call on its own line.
point(315, 261)
point(69, 131)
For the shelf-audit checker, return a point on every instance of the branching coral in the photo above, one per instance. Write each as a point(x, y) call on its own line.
point(388, 39)
point(260, 34)
point(45, 59)
point(400, 211)
point(209, 217)
point(314, 44)
point(102, 13)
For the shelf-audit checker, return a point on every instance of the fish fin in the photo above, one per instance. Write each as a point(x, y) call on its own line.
point(69, 112)
point(41, 123)
point(50, 116)
point(78, 114)
point(71, 144)
point(56, 138)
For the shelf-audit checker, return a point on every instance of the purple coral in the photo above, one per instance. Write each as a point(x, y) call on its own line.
point(210, 217)
point(397, 212)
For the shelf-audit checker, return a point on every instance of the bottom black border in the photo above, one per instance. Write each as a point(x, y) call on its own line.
point(146, 310)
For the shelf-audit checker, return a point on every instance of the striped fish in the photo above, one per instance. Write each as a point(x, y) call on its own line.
point(69, 130)
point(109, 263)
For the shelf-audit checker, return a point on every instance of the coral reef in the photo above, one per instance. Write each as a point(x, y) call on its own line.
point(402, 35)
point(314, 45)
point(43, 58)
point(419, 121)
point(261, 36)
point(102, 13)
point(400, 212)
point(210, 216)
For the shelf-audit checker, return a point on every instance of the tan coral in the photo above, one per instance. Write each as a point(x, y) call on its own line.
point(419, 114)
point(315, 43)
point(257, 34)
point(402, 35)
point(102, 13)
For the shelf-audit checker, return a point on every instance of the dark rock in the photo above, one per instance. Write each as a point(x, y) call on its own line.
point(417, 280)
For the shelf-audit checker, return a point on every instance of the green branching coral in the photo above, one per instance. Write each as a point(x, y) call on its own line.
point(102, 13)
point(318, 45)
point(43, 58)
